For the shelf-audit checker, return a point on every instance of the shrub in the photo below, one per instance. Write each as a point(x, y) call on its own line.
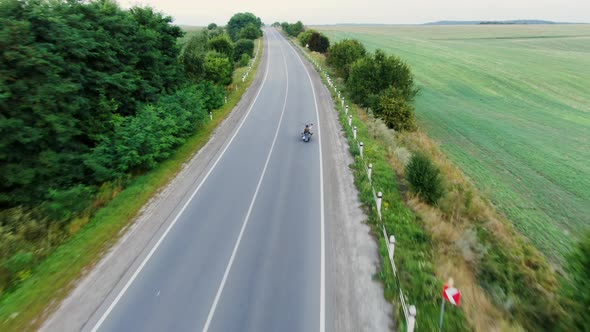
point(250, 31)
point(304, 37)
point(318, 42)
point(395, 111)
point(218, 68)
point(244, 60)
point(212, 26)
point(239, 21)
point(424, 178)
point(243, 46)
point(343, 54)
point(372, 74)
point(576, 295)
point(222, 44)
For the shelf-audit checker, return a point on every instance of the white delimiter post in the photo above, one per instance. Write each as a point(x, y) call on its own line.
point(354, 132)
point(346, 109)
point(370, 171)
point(391, 246)
point(379, 201)
point(361, 148)
point(350, 120)
point(210, 115)
point(412, 318)
point(342, 101)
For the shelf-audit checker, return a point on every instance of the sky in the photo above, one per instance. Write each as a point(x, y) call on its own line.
point(312, 12)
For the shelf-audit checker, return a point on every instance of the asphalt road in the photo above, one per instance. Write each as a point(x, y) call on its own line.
point(245, 252)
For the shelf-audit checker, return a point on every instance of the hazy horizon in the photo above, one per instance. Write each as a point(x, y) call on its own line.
point(312, 12)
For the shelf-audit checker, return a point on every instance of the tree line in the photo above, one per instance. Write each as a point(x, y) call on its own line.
point(91, 93)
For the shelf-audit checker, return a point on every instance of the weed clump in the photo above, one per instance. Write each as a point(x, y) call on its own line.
point(424, 178)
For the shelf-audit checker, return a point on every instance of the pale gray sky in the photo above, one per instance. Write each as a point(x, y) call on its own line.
point(202, 12)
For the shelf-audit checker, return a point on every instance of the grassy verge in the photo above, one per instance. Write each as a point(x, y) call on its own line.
point(507, 285)
point(25, 308)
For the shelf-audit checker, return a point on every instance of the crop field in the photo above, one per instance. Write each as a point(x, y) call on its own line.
point(510, 105)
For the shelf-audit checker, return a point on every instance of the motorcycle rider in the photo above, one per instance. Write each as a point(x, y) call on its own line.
point(307, 130)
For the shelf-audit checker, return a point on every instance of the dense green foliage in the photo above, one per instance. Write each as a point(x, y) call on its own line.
point(385, 84)
point(241, 21)
point(65, 75)
point(394, 110)
point(507, 98)
point(304, 37)
point(318, 42)
point(576, 297)
point(243, 47)
point(222, 44)
point(343, 54)
point(212, 26)
point(373, 74)
point(91, 95)
point(424, 178)
point(293, 29)
point(250, 31)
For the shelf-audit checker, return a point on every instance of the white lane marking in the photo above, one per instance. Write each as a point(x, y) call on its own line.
point(233, 254)
point(146, 259)
point(322, 228)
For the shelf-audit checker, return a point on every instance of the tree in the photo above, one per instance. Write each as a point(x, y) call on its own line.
point(218, 68)
point(193, 56)
point(294, 29)
point(212, 26)
point(250, 31)
point(276, 24)
point(222, 44)
point(372, 74)
point(304, 37)
point(239, 21)
point(395, 111)
point(318, 42)
point(243, 46)
point(343, 54)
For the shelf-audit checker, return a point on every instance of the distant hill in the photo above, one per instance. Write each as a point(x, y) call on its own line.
point(494, 22)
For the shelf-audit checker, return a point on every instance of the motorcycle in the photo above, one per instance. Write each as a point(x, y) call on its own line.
point(306, 136)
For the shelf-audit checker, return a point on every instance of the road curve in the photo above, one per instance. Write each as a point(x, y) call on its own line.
point(245, 253)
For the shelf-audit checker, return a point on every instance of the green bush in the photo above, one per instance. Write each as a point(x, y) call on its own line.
point(304, 37)
point(250, 31)
point(239, 21)
point(244, 60)
point(318, 42)
point(395, 111)
point(222, 44)
point(424, 178)
point(343, 54)
point(576, 289)
point(243, 46)
point(372, 74)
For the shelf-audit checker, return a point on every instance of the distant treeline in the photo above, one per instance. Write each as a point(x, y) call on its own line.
point(91, 93)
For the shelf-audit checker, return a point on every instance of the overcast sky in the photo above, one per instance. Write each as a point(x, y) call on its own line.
point(202, 12)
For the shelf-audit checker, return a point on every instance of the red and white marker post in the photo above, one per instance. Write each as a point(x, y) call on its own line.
point(450, 294)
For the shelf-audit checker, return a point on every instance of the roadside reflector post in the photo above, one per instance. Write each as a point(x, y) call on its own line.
point(346, 109)
point(226, 99)
point(354, 132)
point(412, 318)
point(379, 201)
point(350, 120)
point(210, 115)
point(370, 171)
point(361, 148)
point(342, 101)
point(391, 246)
point(338, 94)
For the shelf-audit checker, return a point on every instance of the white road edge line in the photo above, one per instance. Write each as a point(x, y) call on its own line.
point(146, 259)
point(322, 227)
point(247, 218)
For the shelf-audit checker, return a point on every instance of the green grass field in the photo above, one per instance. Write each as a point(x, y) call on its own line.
point(511, 106)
